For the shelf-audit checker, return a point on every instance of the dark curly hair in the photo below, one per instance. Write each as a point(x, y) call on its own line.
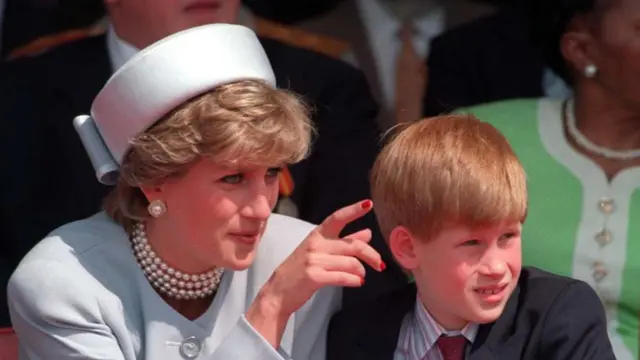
point(550, 20)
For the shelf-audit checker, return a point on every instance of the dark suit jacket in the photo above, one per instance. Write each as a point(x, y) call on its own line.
point(27, 20)
point(548, 317)
point(49, 180)
point(483, 61)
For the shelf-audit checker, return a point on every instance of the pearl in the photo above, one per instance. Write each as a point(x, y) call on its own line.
point(167, 280)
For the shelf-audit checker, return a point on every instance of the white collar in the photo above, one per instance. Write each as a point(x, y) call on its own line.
point(375, 15)
point(431, 330)
point(119, 50)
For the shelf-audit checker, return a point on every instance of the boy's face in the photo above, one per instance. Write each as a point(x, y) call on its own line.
point(467, 275)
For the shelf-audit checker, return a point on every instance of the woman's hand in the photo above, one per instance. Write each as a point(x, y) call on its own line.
point(322, 259)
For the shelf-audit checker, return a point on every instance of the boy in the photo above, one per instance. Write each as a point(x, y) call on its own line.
point(450, 197)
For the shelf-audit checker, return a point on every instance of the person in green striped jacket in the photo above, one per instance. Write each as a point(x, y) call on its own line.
point(582, 156)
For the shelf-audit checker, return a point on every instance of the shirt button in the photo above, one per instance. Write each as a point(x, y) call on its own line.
point(190, 347)
point(604, 237)
point(599, 271)
point(606, 205)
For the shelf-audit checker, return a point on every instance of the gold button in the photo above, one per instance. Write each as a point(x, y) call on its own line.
point(603, 237)
point(599, 271)
point(606, 205)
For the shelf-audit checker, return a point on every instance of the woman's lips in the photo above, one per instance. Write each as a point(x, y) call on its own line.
point(203, 5)
point(246, 238)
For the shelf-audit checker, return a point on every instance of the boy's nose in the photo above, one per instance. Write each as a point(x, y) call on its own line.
point(494, 269)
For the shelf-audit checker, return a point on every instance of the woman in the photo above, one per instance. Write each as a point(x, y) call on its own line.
point(187, 261)
point(582, 156)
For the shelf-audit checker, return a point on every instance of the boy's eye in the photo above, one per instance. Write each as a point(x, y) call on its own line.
point(471, 242)
point(507, 236)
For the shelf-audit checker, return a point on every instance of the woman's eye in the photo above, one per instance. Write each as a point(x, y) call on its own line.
point(273, 172)
point(233, 179)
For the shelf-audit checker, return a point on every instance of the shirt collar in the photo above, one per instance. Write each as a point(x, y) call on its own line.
point(379, 20)
point(428, 328)
point(120, 51)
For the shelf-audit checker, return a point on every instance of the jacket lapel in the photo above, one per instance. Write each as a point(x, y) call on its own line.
point(492, 338)
point(378, 337)
point(91, 73)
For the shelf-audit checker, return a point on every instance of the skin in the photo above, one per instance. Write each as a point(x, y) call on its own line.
point(143, 22)
point(453, 268)
point(607, 105)
point(216, 215)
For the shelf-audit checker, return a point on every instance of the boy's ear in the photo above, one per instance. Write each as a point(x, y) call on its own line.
point(401, 244)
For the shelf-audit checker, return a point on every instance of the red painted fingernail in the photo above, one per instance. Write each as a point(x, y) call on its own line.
point(366, 204)
point(361, 281)
point(382, 266)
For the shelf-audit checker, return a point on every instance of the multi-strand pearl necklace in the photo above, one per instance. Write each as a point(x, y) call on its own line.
point(167, 280)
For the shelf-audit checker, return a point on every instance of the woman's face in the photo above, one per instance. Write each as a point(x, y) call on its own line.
point(216, 215)
point(616, 50)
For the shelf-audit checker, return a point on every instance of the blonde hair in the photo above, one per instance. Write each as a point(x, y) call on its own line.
point(246, 121)
point(450, 169)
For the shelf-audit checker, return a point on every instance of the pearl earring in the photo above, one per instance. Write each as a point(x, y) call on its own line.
point(156, 208)
point(590, 71)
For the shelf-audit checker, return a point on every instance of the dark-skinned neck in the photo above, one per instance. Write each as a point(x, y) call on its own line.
point(607, 121)
point(606, 118)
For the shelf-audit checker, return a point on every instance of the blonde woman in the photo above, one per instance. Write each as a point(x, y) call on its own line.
point(187, 261)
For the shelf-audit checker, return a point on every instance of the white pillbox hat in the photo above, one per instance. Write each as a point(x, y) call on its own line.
point(160, 78)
